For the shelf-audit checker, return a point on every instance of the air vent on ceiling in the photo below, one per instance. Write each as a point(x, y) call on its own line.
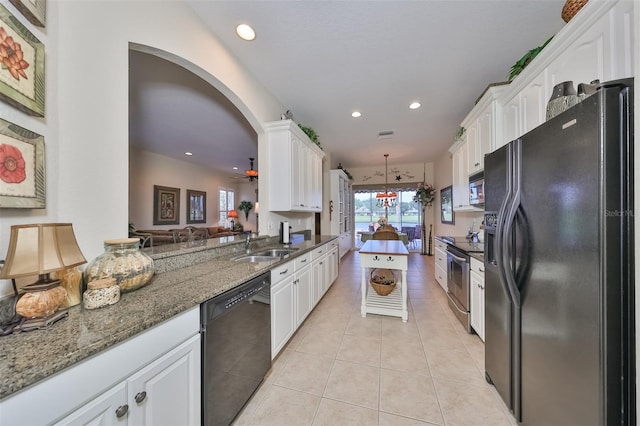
point(385, 135)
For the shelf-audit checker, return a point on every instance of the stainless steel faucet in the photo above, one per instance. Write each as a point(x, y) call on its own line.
point(247, 243)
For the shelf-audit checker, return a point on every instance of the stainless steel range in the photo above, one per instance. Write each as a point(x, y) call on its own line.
point(458, 267)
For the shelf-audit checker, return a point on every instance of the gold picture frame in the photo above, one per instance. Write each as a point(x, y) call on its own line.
point(166, 205)
point(22, 168)
point(22, 85)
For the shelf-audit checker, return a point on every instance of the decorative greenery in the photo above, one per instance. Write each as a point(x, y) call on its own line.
point(425, 194)
point(246, 207)
point(525, 60)
point(460, 133)
point(311, 133)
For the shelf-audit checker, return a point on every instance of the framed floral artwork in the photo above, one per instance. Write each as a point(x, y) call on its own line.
point(22, 174)
point(22, 76)
point(197, 205)
point(166, 205)
point(446, 205)
point(34, 10)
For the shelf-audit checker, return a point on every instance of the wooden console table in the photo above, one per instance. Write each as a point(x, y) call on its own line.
point(385, 254)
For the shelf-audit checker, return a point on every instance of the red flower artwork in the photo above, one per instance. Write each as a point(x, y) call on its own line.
point(12, 165)
point(11, 56)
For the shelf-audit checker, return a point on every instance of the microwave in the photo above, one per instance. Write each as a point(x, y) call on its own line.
point(476, 189)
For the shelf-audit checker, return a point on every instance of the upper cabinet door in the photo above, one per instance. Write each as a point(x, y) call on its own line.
point(295, 167)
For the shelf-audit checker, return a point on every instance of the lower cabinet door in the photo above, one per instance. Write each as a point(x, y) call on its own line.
point(282, 314)
point(167, 391)
point(110, 408)
point(476, 288)
point(304, 294)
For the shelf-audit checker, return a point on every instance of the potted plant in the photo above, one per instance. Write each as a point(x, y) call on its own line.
point(425, 195)
point(246, 207)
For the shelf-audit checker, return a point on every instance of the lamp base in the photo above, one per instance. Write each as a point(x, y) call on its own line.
point(30, 324)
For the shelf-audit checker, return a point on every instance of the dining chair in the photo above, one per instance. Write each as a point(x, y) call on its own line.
point(386, 233)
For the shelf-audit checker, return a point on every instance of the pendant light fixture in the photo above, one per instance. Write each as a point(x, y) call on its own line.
point(251, 174)
point(386, 199)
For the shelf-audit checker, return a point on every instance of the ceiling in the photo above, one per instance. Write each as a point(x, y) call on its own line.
point(325, 59)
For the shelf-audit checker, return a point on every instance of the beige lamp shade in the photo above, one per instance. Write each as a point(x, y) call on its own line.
point(257, 208)
point(40, 249)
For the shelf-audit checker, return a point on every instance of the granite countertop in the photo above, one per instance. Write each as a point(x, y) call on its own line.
point(183, 279)
point(475, 250)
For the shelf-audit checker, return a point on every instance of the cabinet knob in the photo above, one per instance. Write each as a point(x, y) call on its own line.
point(140, 396)
point(122, 411)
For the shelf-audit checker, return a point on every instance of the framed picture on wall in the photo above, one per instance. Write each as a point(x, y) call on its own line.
point(197, 206)
point(34, 10)
point(166, 205)
point(22, 174)
point(22, 75)
point(446, 205)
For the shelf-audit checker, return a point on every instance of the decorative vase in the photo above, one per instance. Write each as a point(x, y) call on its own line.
point(563, 97)
point(123, 261)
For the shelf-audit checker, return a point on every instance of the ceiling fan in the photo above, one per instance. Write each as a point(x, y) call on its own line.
point(250, 173)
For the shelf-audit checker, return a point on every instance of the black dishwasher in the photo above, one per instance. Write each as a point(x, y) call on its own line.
point(236, 348)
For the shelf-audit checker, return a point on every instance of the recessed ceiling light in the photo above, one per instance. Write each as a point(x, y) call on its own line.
point(245, 32)
point(414, 105)
point(356, 114)
point(188, 153)
point(235, 168)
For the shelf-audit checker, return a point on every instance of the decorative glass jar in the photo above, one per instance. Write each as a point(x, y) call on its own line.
point(123, 261)
point(101, 293)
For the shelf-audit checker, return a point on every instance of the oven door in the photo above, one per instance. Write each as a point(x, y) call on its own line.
point(458, 285)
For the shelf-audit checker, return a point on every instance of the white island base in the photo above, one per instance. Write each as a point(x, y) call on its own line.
point(384, 254)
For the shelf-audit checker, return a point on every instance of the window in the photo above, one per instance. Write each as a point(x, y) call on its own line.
point(405, 214)
point(227, 202)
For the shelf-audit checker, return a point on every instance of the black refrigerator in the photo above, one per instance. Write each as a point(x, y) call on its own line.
point(559, 282)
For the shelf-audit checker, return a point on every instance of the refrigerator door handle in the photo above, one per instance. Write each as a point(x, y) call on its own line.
point(500, 228)
point(507, 226)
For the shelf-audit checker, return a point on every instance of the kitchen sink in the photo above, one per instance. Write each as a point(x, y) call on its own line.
point(266, 255)
point(278, 252)
point(252, 258)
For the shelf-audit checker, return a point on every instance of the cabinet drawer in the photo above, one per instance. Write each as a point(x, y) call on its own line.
point(477, 266)
point(441, 277)
point(383, 261)
point(281, 272)
point(440, 245)
point(302, 261)
point(320, 251)
point(441, 259)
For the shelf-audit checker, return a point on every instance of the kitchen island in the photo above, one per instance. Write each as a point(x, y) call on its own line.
point(186, 276)
point(387, 254)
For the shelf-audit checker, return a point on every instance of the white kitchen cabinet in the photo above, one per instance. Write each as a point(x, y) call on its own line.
point(341, 218)
point(303, 289)
point(476, 288)
point(441, 264)
point(294, 171)
point(595, 44)
point(110, 408)
point(165, 392)
point(96, 388)
point(283, 320)
point(460, 196)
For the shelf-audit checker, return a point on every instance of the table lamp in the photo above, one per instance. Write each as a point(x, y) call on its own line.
point(233, 215)
point(41, 249)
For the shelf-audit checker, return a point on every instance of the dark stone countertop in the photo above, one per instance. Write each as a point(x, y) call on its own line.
point(184, 279)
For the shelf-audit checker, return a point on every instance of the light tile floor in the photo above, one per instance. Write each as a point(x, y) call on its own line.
point(342, 369)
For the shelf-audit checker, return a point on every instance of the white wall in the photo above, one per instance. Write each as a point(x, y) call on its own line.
point(443, 177)
point(86, 124)
point(148, 169)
